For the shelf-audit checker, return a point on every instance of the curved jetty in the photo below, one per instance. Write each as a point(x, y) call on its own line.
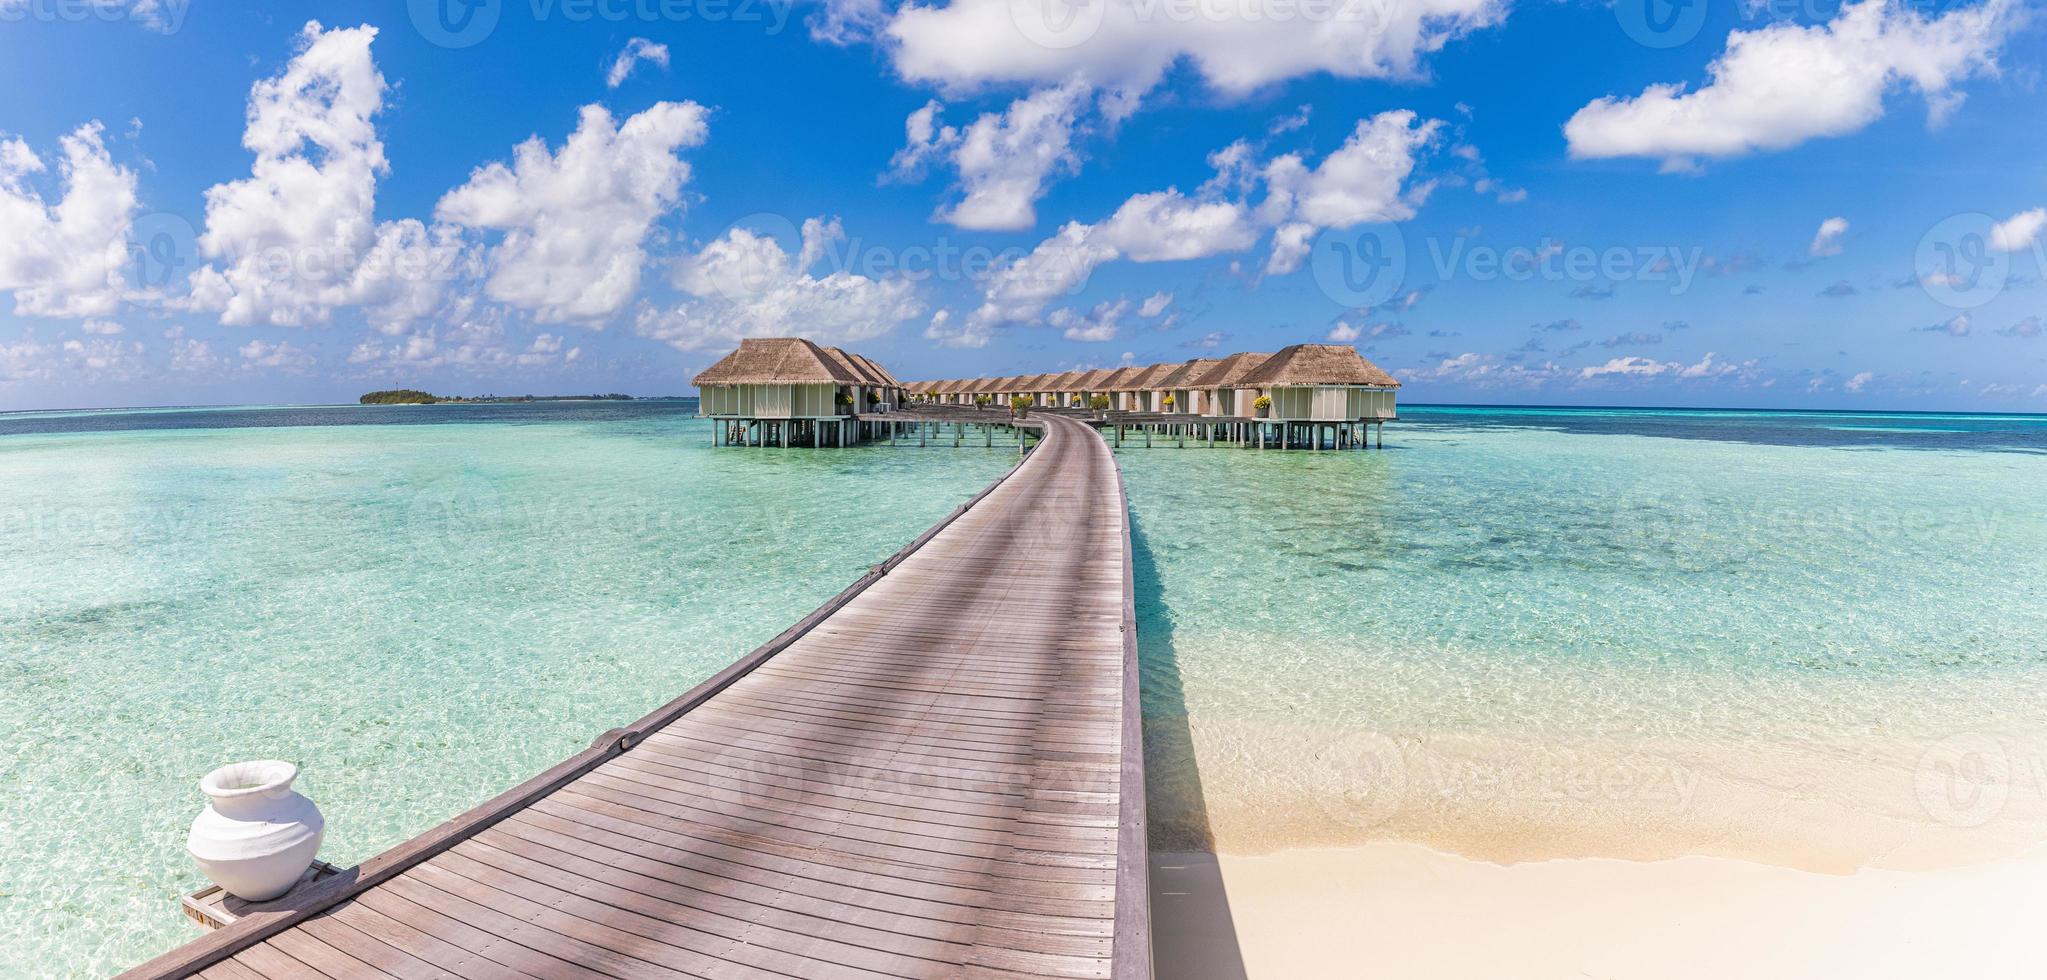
point(938, 773)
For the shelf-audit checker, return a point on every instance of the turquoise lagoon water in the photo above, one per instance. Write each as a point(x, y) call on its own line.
point(1519, 634)
point(420, 612)
point(1513, 634)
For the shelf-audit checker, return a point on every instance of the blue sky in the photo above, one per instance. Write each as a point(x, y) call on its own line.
point(1725, 203)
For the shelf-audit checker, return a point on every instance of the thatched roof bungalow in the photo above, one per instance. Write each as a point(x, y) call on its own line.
point(1079, 386)
point(1322, 383)
point(778, 378)
point(1219, 384)
point(1138, 390)
point(1053, 389)
point(1187, 399)
point(877, 391)
point(1306, 382)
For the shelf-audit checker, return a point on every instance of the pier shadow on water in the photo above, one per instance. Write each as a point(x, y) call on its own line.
point(1194, 936)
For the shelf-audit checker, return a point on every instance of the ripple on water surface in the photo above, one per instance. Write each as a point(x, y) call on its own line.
point(1540, 641)
point(419, 615)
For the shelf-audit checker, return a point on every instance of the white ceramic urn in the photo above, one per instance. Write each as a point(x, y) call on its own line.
point(257, 836)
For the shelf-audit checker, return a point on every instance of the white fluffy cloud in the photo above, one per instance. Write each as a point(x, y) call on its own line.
point(747, 285)
point(288, 239)
point(966, 333)
point(2018, 231)
point(279, 356)
point(1783, 84)
point(1130, 44)
point(1364, 180)
point(1490, 371)
point(636, 50)
point(23, 359)
point(66, 259)
point(1003, 159)
point(1163, 226)
point(1827, 241)
point(91, 359)
point(474, 346)
point(1155, 304)
point(574, 222)
point(1643, 367)
point(1018, 290)
point(1360, 181)
point(1098, 325)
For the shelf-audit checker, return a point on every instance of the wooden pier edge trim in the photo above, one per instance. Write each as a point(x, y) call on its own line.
point(1130, 958)
point(299, 906)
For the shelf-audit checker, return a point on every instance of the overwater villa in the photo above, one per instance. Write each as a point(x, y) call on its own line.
point(787, 391)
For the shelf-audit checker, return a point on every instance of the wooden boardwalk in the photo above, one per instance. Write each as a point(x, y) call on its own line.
point(937, 774)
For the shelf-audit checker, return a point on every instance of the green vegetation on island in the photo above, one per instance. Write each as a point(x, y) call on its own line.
point(398, 396)
point(411, 396)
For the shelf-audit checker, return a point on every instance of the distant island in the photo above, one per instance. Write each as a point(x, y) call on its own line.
point(410, 396)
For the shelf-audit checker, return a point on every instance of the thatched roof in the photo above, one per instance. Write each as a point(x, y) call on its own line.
point(859, 366)
point(1183, 375)
point(1300, 364)
point(875, 369)
point(1119, 379)
point(777, 360)
point(1145, 378)
point(1229, 371)
point(1095, 380)
point(1317, 364)
point(1062, 381)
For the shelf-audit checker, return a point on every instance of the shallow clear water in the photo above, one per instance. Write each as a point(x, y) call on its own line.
point(1466, 638)
point(419, 614)
point(1515, 633)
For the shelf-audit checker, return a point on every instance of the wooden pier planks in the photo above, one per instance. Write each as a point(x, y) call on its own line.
point(938, 774)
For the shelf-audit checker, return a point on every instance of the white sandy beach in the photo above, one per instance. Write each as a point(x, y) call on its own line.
point(1404, 911)
point(1770, 858)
